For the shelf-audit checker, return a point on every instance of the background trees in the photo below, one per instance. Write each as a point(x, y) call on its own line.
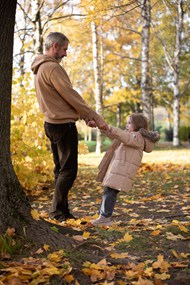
point(142, 55)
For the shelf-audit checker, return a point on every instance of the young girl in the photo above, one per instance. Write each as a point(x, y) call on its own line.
point(121, 162)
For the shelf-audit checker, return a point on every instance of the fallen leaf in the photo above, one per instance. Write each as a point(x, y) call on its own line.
point(127, 237)
point(86, 235)
point(35, 214)
point(155, 233)
point(119, 255)
point(161, 264)
point(143, 282)
point(69, 278)
point(162, 276)
point(46, 247)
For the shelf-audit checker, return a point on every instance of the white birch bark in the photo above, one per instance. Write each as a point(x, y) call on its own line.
point(174, 65)
point(176, 70)
point(97, 82)
point(145, 69)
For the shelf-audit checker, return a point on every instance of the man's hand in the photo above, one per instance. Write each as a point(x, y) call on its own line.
point(91, 124)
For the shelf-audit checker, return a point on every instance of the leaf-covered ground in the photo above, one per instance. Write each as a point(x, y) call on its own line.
point(148, 243)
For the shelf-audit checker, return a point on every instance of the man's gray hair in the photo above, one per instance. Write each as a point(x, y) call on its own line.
point(55, 37)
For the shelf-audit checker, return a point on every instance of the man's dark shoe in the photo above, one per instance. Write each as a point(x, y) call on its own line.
point(64, 217)
point(60, 218)
point(69, 216)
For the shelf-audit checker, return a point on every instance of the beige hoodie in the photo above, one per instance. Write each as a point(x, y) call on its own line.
point(57, 99)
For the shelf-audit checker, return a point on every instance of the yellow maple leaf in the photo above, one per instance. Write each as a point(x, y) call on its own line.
point(155, 233)
point(162, 276)
point(179, 265)
point(131, 274)
point(87, 271)
point(86, 235)
point(46, 247)
point(171, 236)
point(183, 228)
point(54, 257)
point(160, 263)
point(35, 214)
point(127, 237)
point(69, 278)
point(149, 271)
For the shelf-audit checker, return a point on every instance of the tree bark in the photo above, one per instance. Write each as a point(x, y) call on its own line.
point(36, 20)
point(97, 82)
point(176, 70)
point(146, 86)
point(13, 202)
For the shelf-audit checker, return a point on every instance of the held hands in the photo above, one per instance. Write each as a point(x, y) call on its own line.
point(102, 125)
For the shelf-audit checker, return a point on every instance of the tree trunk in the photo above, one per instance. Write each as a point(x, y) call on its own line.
point(118, 115)
point(36, 19)
point(97, 80)
point(176, 69)
point(145, 69)
point(13, 202)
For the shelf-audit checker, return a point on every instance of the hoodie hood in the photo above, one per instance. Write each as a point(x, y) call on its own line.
point(39, 60)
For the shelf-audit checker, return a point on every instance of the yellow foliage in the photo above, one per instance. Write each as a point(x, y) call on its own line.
point(161, 264)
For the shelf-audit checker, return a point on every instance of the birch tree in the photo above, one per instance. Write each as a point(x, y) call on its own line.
point(97, 81)
point(146, 87)
point(173, 60)
point(175, 65)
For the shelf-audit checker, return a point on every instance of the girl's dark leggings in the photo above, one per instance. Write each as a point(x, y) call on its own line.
point(108, 202)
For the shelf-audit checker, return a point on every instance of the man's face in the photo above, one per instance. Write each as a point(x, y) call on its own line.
point(61, 51)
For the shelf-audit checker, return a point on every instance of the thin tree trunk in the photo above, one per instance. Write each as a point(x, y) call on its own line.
point(118, 115)
point(145, 69)
point(36, 19)
point(176, 104)
point(97, 81)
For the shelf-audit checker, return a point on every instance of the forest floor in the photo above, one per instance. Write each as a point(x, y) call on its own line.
point(147, 244)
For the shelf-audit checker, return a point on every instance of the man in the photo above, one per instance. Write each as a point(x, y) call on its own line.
point(62, 106)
